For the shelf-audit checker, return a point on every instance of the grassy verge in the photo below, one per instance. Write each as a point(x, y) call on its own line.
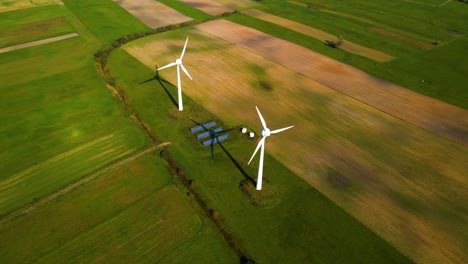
point(105, 20)
point(187, 10)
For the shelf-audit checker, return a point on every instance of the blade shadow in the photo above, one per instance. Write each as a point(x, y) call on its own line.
point(149, 80)
point(234, 161)
point(167, 91)
point(238, 166)
point(161, 82)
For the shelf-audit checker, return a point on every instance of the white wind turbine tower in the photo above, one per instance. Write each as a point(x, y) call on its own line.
point(179, 65)
point(265, 133)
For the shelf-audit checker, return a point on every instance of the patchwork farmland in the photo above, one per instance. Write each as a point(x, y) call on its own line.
point(98, 164)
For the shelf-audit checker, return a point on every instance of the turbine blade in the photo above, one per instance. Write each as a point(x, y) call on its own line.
point(183, 51)
point(261, 118)
point(167, 66)
point(186, 72)
point(280, 130)
point(260, 143)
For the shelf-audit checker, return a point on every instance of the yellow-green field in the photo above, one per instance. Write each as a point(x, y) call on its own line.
point(385, 172)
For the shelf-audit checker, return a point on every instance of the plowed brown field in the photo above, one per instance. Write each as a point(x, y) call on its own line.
point(433, 115)
point(152, 13)
point(403, 182)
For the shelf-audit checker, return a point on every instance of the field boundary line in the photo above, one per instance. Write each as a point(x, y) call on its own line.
point(28, 208)
point(445, 2)
point(37, 42)
point(17, 177)
point(422, 3)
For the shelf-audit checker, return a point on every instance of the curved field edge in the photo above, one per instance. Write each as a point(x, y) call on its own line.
point(253, 227)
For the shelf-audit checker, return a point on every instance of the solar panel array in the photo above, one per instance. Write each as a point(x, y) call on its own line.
point(215, 140)
point(209, 133)
point(203, 127)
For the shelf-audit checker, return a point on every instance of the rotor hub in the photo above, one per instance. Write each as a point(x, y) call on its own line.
point(178, 61)
point(265, 132)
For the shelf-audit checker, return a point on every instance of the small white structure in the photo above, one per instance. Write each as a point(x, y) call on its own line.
point(179, 65)
point(251, 135)
point(244, 130)
point(265, 133)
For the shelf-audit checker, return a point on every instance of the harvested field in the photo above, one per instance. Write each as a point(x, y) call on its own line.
point(37, 42)
point(9, 5)
point(440, 118)
point(406, 39)
point(208, 6)
point(153, 13)
point(401, 181)
point(321, 35)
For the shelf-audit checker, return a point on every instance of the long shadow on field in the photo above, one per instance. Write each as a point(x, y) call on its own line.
point(238, 166)
point(213, 137)
point(161, 82)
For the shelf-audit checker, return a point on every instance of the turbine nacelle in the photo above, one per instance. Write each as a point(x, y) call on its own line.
point(178, 62)
point(266, 132)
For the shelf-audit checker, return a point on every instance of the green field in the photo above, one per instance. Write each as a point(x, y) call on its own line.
point(186, 10)
point(105, 20)
point(45, 22)
point(59, 121)
point(132, 213)
point(60, 124)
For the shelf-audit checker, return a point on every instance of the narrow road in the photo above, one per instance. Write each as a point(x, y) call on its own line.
point(37, 42)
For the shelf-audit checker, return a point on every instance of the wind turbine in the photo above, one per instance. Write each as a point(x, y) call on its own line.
point(265, 133)
point(179, 65)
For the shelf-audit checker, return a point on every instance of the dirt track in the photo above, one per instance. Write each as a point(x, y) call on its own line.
point(320, 35)
point(152, 13)
point(440, 118)
point(37, 42)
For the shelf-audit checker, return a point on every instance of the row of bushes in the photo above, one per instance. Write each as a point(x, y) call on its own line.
point(190, 184)
point(101, 55)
